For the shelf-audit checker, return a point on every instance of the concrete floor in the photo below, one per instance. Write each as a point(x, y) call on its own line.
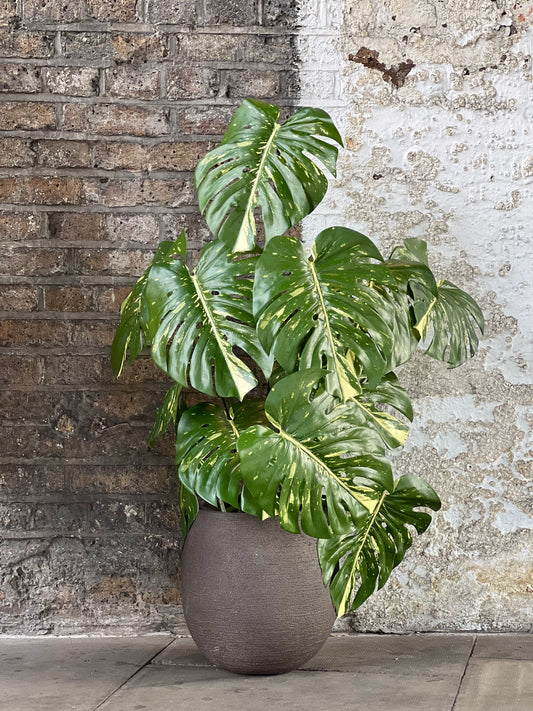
point(426, 672)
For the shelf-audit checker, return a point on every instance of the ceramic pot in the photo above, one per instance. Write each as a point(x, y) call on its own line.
point(253, 596)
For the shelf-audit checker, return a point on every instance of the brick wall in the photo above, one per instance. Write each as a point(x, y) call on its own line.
point(105, 108)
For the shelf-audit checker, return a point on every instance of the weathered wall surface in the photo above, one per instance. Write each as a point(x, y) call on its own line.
point(105, 108)
point(435, 103)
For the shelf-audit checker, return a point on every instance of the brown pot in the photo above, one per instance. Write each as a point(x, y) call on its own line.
point(253, 595)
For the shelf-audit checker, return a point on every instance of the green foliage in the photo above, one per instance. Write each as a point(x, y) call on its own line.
point(129, 336)
point(167, 413)
point(324, 331)
point(262, 163)
point(206, 452)
point(195, 319)
point(367, 555)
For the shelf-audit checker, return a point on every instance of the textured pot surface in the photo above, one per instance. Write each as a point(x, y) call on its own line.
point(253, 596)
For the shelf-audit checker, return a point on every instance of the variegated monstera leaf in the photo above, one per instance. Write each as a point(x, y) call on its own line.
point(443, 313)
point(196, 319)
point(263, 163)
point(318, 465)
point(207, 461)
point(324, 310)
point(324, 473)
point(129, 338)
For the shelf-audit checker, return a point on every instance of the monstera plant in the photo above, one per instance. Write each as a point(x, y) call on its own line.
point(296, 349)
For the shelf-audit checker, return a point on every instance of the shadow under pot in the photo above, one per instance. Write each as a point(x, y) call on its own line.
point(253, 596)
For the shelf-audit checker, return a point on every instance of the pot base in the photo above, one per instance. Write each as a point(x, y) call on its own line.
point(253, 596)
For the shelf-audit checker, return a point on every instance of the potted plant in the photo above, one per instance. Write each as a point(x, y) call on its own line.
point(296, 351)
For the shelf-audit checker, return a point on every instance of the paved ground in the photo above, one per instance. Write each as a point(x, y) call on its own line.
point(426, 672)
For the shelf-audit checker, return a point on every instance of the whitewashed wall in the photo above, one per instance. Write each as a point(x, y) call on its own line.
point(448, 157)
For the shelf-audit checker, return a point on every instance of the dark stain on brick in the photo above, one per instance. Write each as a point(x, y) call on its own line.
point(395, 74)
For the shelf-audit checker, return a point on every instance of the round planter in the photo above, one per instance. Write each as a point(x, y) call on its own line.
point(253, 596)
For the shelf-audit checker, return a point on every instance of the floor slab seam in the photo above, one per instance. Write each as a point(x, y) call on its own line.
point(463, 675)
point(132, 676)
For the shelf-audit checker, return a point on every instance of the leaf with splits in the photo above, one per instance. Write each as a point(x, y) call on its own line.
point(263, 163)
point(357, 563)
point(325, 310)
point(207, 460)
point(195, 320)
point(443, 313)
point(129, 338)
point(318, 469)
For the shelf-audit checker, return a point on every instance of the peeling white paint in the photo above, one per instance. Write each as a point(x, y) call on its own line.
point(447, 157)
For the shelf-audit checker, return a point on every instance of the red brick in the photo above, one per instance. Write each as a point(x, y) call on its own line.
point(177, 156)
point(73, 81)
point(15, 227)
point(119, 47)
point(197, 231)
point(18, 298)
point(22, 43)
point(27, 115)
point(113, 155)
point(106, 119)
point(40, 191)
point(138, 191)
point(21, 370)
point(20, 332)
point(127, 479)
point(32, 261)
point(230, 12)
point(63, 154)
point(120, 442)
point(76, 10)
point(68, 298)
point(92, 333)
point(96, 370)
point(20, 78)
point(243, 83)
point(133, 81)
point(132, 228)
point(50, 10)
point(32, 480)
point(16, 153)
point(192, 83)
point(80, 299)
point(8, 11)
point(204, 121)
point(117, 262)
point(76, 226)
point(113, 10)
point(115, 406)
point(161, 156)
point(219, 47)
point(47, 333)
point(109, 300)
point(178, 12)
point(37, 405)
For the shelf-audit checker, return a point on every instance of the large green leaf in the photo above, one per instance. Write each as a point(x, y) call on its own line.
point(129, 337)
point(194, 321)
point(318, 469)
point(266, 164)
point(449, 320)
point(356, 563)
point(326, 309)
point(388, 392)
point(206, 452)
point(443, 313)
